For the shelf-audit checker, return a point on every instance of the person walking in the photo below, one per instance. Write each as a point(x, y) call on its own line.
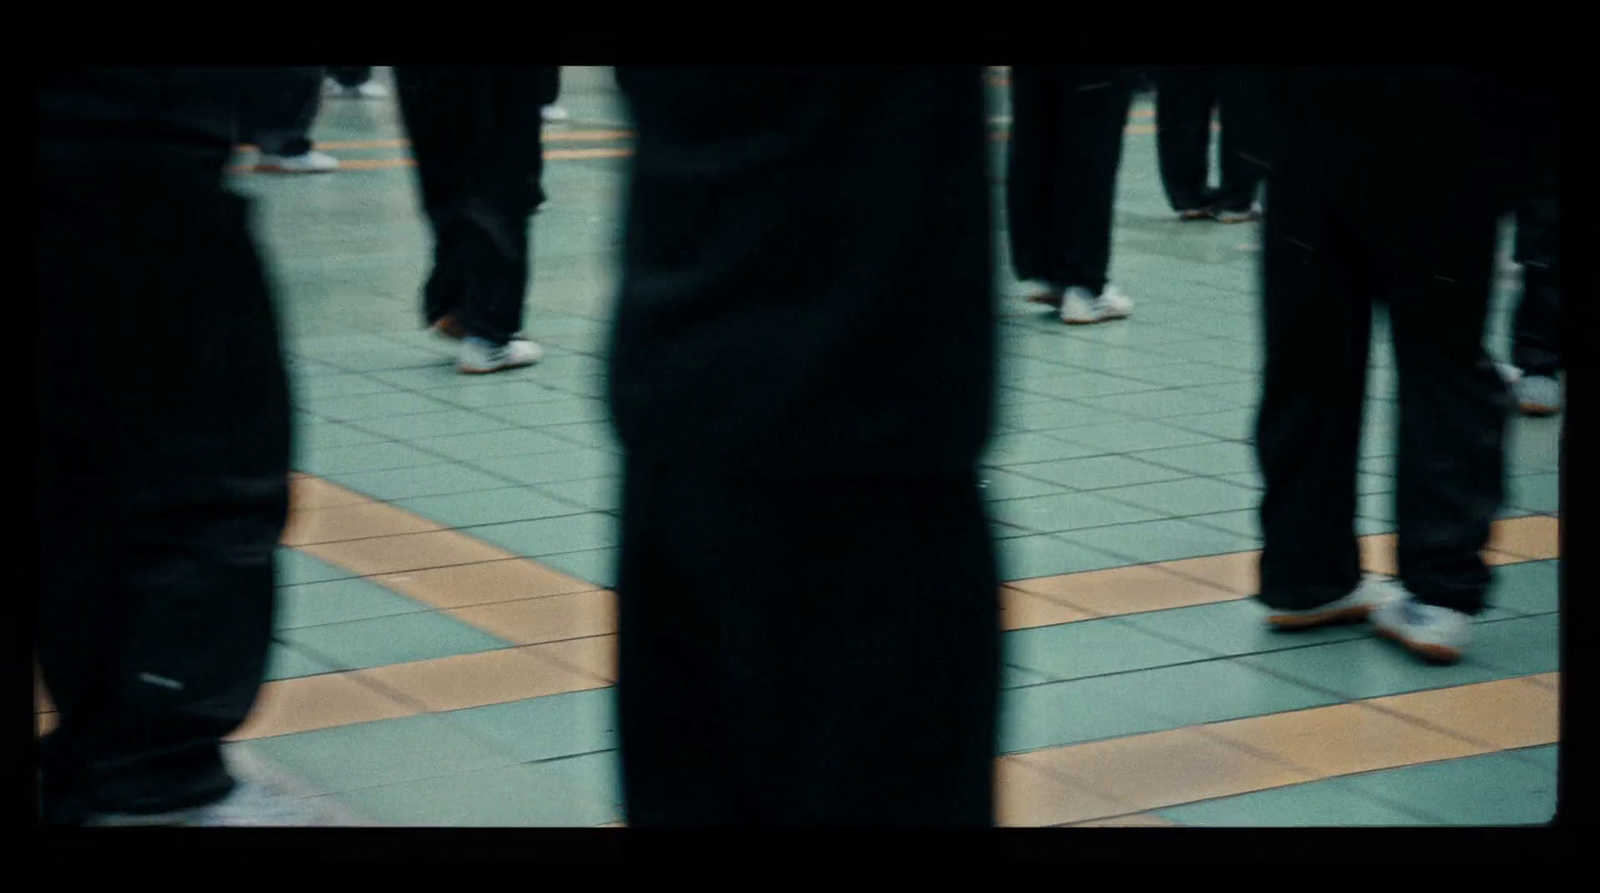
point(476, 137)
point(277, 121)
point(162, 453)
point(1368, 205)
point(1536, 355)
point(801, 372)
point(1067, 124)
point(1185, 101)
point(354, 82)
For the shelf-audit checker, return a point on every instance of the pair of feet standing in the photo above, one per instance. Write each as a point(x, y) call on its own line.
point(1432, 632)
point(480, 356)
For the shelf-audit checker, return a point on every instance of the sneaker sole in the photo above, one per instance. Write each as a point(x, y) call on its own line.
point(1291, 622)
point(1538, 411)
point(469, 370)
point(1437, 654)
point(1045, 298)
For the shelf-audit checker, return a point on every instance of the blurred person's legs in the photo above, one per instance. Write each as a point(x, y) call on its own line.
point(1246, 110)
point(807, 651)
point(801, 373)
point(1536, 327)
point(1061, 187)
point(354, 83)
point(163, 465)
point(279, 123)
point(475, 135)
point(1185, 99)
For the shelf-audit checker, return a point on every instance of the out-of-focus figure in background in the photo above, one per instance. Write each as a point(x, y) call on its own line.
point(1536, 356)
point(476, 136)
point(163, 451)
point(1185, 100)
point(1389, 189)
point(278, 123)
point(1061, 180)
point(801, 373)
point(354, 83)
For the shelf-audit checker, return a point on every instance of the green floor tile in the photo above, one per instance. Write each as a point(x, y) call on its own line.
point(1330, 803)
point(999, 485)
point(1208, 458)
point(1534, 445)
point(1547, 757)
point(293, 568)
point(1239, 393)
point(1190, 496)
point(545, 728)
point(551, 412)
point(1188, 375)
point(339, 601)
point(496, 392)
point(1067, 511)
point(432, 424)
point(553, 468)
point(574, 793)
point(1133, 434)
point(1062, 713)
point(330, 435)
point(1531, 587)
point(597, 435)
point(1371, 668)
point(429, 480)
point(1092, 648)
point(371, 406)
point(1234, 628)
point(1078, 384)
point(549, 536)
point(1244, 522)
point(1098, 472)
point(381, 456)
point(602, 494)
point(1027, 557)
point(1520, 646)
point(385, 752)
point(1016, 677)
point(396, 639)
point(1028, 447)
point(1228, 424)
point(487, 507)
point(1213, 691)
point(485, 444)
point(1169, 540)
point(284, 662)
point(1162, 404)
point(597, 566)
point(342, 384)
point(1494, 789)
point(1539, 492)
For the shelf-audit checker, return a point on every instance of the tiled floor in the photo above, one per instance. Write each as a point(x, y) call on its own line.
point(446, 643)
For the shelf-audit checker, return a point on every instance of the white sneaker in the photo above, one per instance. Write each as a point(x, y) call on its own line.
point(1079, 308)
point(1508, 372)
point(368, 90)
point(479, 357)
point(1245, 216)
point(1429, 631)
point(554, 113)
point(1370, 594)
point(312, 162)
point(1538, 395)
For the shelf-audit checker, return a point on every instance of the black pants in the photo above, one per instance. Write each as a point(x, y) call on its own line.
point(1336, 241)
point(1536, 329)
point(1185, 99)
point(1066, 142)
point(475, 134)
point(163, 462)
point(352, 76)
point(807, 652)
point(278, 121)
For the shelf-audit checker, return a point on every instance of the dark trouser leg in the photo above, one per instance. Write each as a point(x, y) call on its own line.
point(1093, 112)
point(1317, 309)
point(1031, 171)
point(1439, 258)
point(281, 123)
point(1247, 116)
point(351, 77)
point(475, 134)
point(163, 463)
point(1184, 100)
point(1536, 329)
point(807, 652)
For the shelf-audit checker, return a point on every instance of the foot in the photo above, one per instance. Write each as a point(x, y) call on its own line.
point(1538, 395)
point(479, 357)
point(368, 90)
point(1079, 308)
point(1042, 293)
point(1428, 631)
point(554, 113)
point(310, 163)
point(1509, 373)
point(1244, 216)
point(1372, 592)
point(1197, 214)
point(251, 804)
point(449, 327)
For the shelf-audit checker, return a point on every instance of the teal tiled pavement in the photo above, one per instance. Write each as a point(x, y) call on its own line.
point(390, 639)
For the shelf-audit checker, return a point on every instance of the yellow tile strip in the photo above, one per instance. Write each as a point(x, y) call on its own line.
point(1123, 778)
